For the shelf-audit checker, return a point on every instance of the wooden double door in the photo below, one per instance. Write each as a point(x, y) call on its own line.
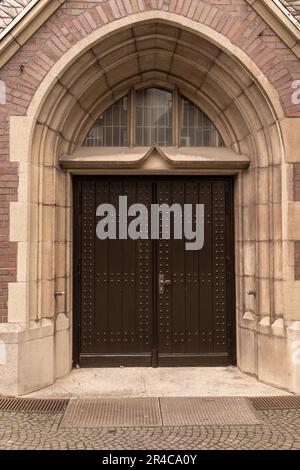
point(153, 302)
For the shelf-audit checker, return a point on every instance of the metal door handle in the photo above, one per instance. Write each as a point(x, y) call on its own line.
point(163, 282)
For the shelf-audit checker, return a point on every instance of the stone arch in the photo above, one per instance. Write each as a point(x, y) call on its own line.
point(215, 75)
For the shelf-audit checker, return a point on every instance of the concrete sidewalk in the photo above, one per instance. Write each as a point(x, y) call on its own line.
point(160, 382)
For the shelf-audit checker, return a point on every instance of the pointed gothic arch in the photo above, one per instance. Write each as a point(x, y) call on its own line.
point(241, 102)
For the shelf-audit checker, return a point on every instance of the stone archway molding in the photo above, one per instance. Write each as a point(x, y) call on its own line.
point(40, 302)
point(193, 26)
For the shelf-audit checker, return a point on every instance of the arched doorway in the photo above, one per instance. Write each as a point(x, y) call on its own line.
point(143, 293)
point(155, 50)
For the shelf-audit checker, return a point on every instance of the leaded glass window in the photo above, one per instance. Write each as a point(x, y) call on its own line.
point(197, 130)
point(153, 117)
point(146, 117)
point(111, 128)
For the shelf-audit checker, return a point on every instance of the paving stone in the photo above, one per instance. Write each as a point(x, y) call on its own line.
point(279, 429)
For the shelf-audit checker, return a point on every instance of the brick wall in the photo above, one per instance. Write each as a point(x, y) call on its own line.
point(8, 250)
point(235, 19)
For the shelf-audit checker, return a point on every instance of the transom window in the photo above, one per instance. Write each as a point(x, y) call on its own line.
point(153, 116)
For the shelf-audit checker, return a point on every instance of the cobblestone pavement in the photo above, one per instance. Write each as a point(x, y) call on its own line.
point(280, 430)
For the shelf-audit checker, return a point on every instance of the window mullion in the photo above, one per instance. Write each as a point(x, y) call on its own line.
point(176, 118)
point(132, 119)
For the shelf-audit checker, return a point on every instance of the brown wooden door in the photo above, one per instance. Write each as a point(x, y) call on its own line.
point(123, 313)
point(193, 311)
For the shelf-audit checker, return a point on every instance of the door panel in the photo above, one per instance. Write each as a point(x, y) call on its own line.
point(121, 317)
point(117, 303)
point(192, 309)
